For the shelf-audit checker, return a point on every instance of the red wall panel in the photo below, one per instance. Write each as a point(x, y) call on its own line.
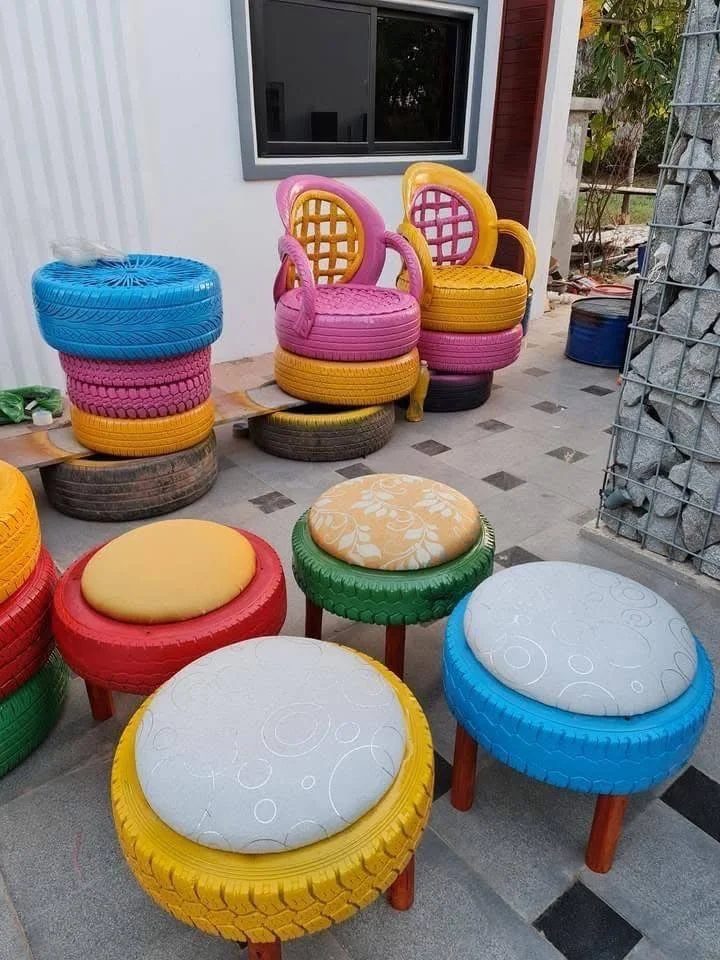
point(522, 69)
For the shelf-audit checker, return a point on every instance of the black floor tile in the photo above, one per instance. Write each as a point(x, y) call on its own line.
point(536, 371)
point(697, 797)
point(503, 480)
point(443, 775)
point(270, 502)
point(355, 470)
point(596, 390)
point(547, 406)
point(583, 927)
point(431, 447)
point(567, 454)
point(494, 426)
point(514, 556)
point(585, 516)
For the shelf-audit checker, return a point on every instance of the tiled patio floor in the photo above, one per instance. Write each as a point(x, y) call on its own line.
point(503, 882)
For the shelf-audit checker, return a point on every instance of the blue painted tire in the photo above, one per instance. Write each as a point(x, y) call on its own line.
point(608, 755)
point(143, 308)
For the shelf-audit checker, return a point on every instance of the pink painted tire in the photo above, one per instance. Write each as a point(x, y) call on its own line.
point(353, 322)
point(137, 373)
point(470, 352)
point(140, 403)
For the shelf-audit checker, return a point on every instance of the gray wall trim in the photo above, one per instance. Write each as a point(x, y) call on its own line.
point(344, 166)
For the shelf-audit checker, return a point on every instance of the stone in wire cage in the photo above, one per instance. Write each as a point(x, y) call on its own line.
point(662, 478)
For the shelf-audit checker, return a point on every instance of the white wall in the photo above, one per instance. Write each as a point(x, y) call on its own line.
point(119, 123)
point(551, 145)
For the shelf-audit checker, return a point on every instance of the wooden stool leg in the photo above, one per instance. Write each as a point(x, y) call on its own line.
point(605, 832)
point(265, 951)
point(313, 619)
point(395, 649)
point(101, 702)
point(462, 784)
point(401, 894)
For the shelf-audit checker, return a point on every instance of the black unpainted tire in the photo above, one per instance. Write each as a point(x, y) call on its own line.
point(320, 433)
point(450, 392)
point(107, 489)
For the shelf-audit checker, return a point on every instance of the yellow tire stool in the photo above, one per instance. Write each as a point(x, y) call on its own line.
point(318, 872)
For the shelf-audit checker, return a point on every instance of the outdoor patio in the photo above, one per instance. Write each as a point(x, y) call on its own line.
point(504, 881)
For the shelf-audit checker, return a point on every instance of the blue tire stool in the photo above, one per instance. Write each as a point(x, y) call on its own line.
point(612, 735)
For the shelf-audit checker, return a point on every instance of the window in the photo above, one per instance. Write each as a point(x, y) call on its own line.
point(344, 79)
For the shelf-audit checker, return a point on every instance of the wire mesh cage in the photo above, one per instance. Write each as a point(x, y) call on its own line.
point(662, 478)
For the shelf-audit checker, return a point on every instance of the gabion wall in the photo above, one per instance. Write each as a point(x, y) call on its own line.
point(662, 481)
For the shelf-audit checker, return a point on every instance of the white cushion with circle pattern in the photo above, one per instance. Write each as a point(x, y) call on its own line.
point(580, 638)
point(270, 744)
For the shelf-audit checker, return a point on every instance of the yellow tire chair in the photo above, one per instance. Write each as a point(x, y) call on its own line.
point(453, 227)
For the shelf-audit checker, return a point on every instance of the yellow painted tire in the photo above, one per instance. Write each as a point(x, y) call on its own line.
point(146, 437)
point(19, 531)
point(473, 311)
point(346, 384)
point(260, 897)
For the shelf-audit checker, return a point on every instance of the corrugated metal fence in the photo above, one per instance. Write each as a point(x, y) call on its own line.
point(68, 155)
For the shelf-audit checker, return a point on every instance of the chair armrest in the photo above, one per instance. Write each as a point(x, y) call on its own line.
point(400, 245)
point(422, 251)
point(514, 229)
point(292, 251)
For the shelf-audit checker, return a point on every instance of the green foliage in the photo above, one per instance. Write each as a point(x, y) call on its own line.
point(630, 63)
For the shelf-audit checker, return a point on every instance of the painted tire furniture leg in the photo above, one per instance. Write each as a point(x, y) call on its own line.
point(313, 620)
point(101, 701)
point(265, 951)
point(605, 832)
point(401, 894)
point(462, 786)
point(395, 648)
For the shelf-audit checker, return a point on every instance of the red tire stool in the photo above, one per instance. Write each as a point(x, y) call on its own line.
point(25, 634)
point(137, 657)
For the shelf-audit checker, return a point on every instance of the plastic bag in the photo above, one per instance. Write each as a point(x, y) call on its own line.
point(79, 252)
point(14, 403)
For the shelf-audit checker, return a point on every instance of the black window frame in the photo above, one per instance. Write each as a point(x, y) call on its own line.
point(277, 149)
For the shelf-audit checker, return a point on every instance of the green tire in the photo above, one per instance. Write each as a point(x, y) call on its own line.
point(388, 597)
point(29, 714)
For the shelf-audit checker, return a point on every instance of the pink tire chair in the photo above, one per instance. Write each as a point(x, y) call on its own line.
point(328, 305)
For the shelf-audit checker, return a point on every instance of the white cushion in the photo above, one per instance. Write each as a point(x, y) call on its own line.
point(580, 638)
point(270, 744)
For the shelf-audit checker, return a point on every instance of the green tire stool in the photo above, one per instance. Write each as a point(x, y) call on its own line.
point(389, 549)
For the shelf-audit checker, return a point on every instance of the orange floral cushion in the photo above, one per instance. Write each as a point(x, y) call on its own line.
point(391, 521)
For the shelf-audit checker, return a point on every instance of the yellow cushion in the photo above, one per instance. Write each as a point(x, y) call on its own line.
point(392, 521)
point(168, 571)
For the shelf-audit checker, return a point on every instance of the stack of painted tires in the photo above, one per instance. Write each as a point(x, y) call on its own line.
point(462, 353)
point(33, 677)
point(134, 339)
point(346, 346)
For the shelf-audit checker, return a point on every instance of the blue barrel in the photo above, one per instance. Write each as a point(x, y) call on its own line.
point(598, 331)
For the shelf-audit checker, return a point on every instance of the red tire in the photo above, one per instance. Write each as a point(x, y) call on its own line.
point(137, 373)
point(25, 634)
point(137, 658)
point(470, 352)
point(130, 403)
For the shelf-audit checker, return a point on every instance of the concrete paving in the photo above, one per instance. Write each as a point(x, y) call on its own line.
point(505, 881)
